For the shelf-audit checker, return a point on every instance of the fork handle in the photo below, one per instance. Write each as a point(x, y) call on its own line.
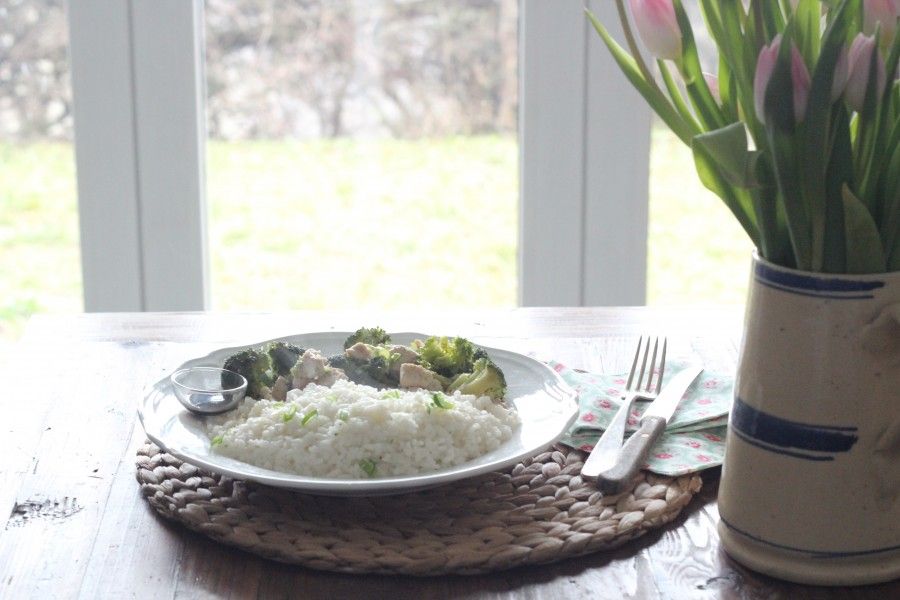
point(632, 456)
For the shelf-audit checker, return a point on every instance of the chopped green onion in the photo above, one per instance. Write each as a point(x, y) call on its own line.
point(390, 394)
point(309, 416)
point(368, 466)
point(438, 400)
point(289, 413)
point(343, 415)
point(217, 440)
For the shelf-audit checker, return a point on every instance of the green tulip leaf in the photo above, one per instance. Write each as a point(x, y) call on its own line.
point(839, 173)
point(779, 96)
point(807, 16)
point(894, 257)
point(785, 157)
point(727, 147)
point(826, 207)
point(890, 221)
point(865, 253)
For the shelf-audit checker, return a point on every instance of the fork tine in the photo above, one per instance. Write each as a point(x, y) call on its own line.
point(637, 385)
point(637, 352)
point(652, 364)
point(662, 365)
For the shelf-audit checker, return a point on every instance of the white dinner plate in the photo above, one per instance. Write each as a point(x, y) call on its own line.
point(546, 405)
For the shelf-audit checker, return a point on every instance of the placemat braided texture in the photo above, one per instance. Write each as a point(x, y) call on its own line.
point(539, 511)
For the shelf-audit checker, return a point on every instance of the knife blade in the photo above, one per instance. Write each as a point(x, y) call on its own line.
point(653, 423)
point(606, 451)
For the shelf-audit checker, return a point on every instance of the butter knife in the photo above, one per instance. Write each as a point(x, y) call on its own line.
point(606, 451)
point(653, 423)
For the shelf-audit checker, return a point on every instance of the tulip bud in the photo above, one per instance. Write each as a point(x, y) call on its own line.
point(859, 63)
point(765, 66)
point(712, 82)
point(657, 25)
point(884, 12)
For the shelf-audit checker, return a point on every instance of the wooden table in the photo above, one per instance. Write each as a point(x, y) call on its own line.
point(73, 524)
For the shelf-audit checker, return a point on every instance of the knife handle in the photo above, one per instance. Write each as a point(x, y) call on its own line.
point(632, 456)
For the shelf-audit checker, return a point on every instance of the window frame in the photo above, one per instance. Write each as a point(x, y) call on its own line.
point(138, 86)
point(140, 138)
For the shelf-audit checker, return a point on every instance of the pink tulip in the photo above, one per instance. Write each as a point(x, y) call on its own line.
point(859, 62)
point(765, 66)
point(657, 25)
point(884, 12)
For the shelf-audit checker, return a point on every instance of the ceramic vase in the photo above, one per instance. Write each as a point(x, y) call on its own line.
point(810, 488)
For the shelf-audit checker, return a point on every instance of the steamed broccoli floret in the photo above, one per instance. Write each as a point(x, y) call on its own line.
point(374, 336)
point(448, 356)
point(284, 356)
point(486, 379)
point(374, 370)
point(479, 353)
point(256, 367)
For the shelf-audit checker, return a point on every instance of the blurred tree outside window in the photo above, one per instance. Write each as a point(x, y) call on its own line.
point(40, 268)
point(362, 153)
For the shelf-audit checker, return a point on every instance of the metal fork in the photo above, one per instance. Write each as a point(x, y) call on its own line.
point(606, 451)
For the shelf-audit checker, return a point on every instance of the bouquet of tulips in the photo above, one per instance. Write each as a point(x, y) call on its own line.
point(798, 133)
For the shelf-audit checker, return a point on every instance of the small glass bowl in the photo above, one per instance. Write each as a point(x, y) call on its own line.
point(208, 390)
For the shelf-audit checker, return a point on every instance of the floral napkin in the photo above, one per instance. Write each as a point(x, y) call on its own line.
point(695, 436)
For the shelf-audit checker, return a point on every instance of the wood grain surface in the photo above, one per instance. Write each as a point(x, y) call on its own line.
point(73, 524)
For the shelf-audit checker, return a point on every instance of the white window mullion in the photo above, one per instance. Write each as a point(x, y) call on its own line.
point(584, 138)
point(140, 136)
point(551, 126)
point(109, 213)
point(171, 140)
point(617, 165)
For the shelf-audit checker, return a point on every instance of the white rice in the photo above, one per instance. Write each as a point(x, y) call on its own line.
point(356, 431)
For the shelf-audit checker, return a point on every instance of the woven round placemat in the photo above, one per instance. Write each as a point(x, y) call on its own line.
point(539, 511)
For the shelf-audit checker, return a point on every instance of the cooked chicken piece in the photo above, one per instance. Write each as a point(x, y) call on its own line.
point(360, 352)
point(311, 365)
point(414, 376)
point(406, 354)
point(280, 389)
point(309, 368)
point(330, 376)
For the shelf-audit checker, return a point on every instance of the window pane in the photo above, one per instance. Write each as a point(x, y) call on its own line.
point(362, 153)
point(697, 252)
point(40, 267)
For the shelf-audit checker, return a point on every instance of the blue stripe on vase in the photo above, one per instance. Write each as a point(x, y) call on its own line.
point(810, 553)
point(778, 450)
point(820, 286)
point(815, 294)
point(784, 436)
